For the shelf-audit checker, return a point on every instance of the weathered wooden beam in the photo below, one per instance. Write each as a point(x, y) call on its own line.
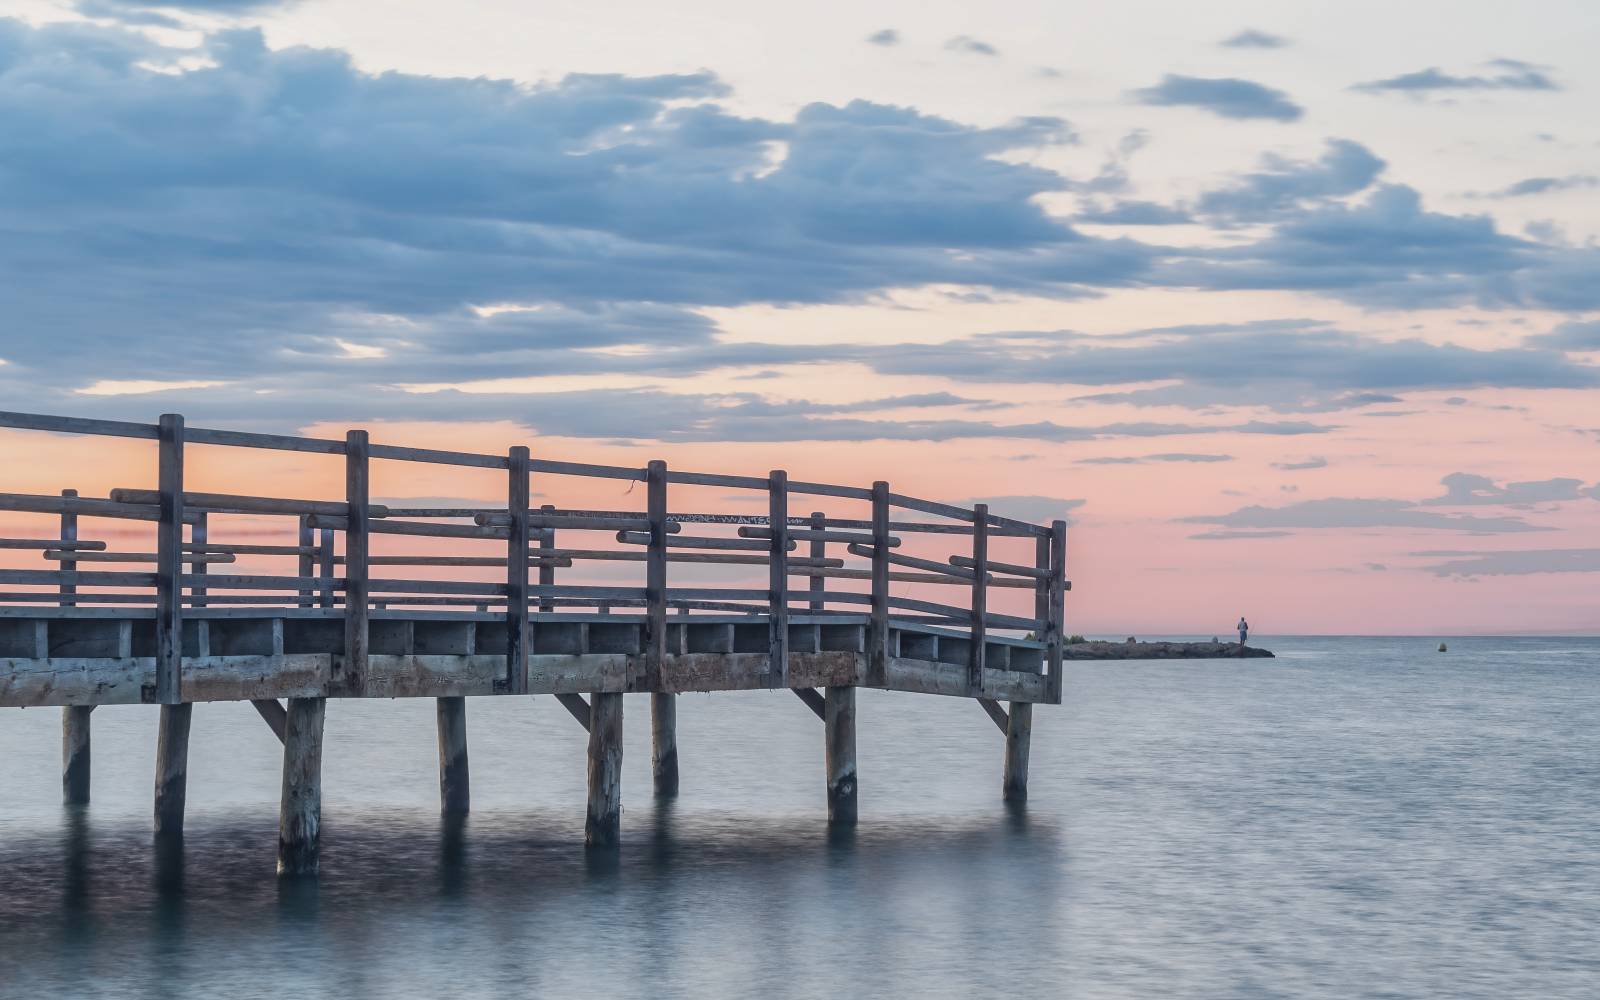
point(995, 712)
point(702, 542)
point(274, 715)
point(839, 723)
point(82, 506)
point(1019, 732)
point(238, 504)
point(357, 462)
point(426, 529)
point(778, 579)
point(325, 566)
point(200, 562)
point(813, 700)
point(172, 769)
point(548, 562)
point(817, 555)
point(517, 571)
point(576, 706)
point(306, 537)
point(169, 569)
point(655, 585)
point(67, 528)
point(980, 572)
point(1014, 569)
point(75, 757)
point(55, 544)
point(455, 790)
point(300, 805)
point(878, 633)
point(664, 742)
point(961, 572)
point(1055, 618)
point(69, 558)
point(602, 827)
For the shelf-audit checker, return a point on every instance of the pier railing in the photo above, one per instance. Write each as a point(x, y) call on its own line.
point(888, 560)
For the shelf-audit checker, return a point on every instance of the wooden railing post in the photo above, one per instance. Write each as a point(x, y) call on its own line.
point(305, 566)
point(357, 462)
point(169, 562)
point(1057, 609)
point(517, 573)
point(68, 532)
point(655, 578)
point(818, 551)
point(878, 632)
point(199, 532)
point(547, 569)
point(778, 578)
point(325, 566)
point(980, 625)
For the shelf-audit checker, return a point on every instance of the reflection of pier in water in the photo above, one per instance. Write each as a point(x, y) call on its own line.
point(186, 633)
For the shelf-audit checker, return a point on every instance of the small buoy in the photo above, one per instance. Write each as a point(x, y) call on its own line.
point(1443, 648)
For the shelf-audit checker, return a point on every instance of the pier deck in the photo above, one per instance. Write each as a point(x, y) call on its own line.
point(820, 604)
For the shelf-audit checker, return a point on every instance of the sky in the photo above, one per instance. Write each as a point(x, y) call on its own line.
point(1292, 309)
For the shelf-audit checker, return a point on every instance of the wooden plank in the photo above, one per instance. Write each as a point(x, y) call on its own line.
point(67, 528)
point(980, 573)
point(1056, 618)
point(435, 456)
point(995, 712)
point(897, 559)
point(270, 442)
point(602, 827)
point(1019, 733)
point(778, 579)
point(303, 564)
point(455, 789)
point(357, 467)
point(75, 425)
point(664, 743)
point(816, 534)
point(796, 568)
point(56, 544)
point(82, 506)
point(575, 705)
point(655, 634)
point(813, 699)
point(547, 562)
point(234, 503)
point(325, 567)
point(274, 715)
point(839, 725)
point(189, 558)
point(878, 632)
point(1001, 567)
point(516, 589)
point(551, 468)
point(169, 567)
point(199, 563)
point(300, 804)
point(389, 526)
point(827, 490)
point(700, 541)
point(818, 553)
point(714, 479)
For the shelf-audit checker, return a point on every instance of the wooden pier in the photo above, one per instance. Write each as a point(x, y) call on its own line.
point(820, 604)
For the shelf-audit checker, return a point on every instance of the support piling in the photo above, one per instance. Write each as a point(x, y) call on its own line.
point(664, 742)
point(300, 808)
point(172, 768)
point(75, 754)
point(839, 721)
point(1019, 731)
point(603, 825)
point(455, 795)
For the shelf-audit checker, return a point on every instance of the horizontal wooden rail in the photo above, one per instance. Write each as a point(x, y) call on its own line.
point(60, 544)
point(811, 535)
point(83, 507)
point(239, 504)
point(897, 559)
point(1032, 572)
point(700, 542)
point(56, 555)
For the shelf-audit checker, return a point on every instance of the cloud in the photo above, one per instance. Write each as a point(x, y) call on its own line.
point(1514, 75)
point(886, 37)
point(1028, 507)
point(1344, 168)
point(1228, 536)
point(1250, 38)
point(1171, 456)
point(1575, 337)
point(1352, 512)
point(1512, 562)
point(971, 46)
point(1134, 213)
point(1230, 98)
point(1464, 489)
point(1546, 185)
point(1316, 462)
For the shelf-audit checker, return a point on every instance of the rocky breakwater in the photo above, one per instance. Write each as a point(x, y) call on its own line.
point(1132, 650)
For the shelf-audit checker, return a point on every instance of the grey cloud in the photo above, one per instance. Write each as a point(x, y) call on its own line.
point(1227, 97)
point(1515, 75)
point(1134, 213)
point(1464, 489)
point(1316, 462)
point(1250, 38)
point(1350, 512)
point(1512, 562)
point(885, 37)
point(1546, 185)
point(1228, 536)
point(1575, 336)
point(1345, 168)
point(972, 46)
point(1171, 456)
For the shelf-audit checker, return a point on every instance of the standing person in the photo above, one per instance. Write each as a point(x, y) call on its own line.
point(1244, 630)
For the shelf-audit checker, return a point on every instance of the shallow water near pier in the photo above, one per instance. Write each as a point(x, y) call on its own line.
point(1356, 818)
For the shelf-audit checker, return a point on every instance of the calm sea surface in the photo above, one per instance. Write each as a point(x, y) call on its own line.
point(1357, 818)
